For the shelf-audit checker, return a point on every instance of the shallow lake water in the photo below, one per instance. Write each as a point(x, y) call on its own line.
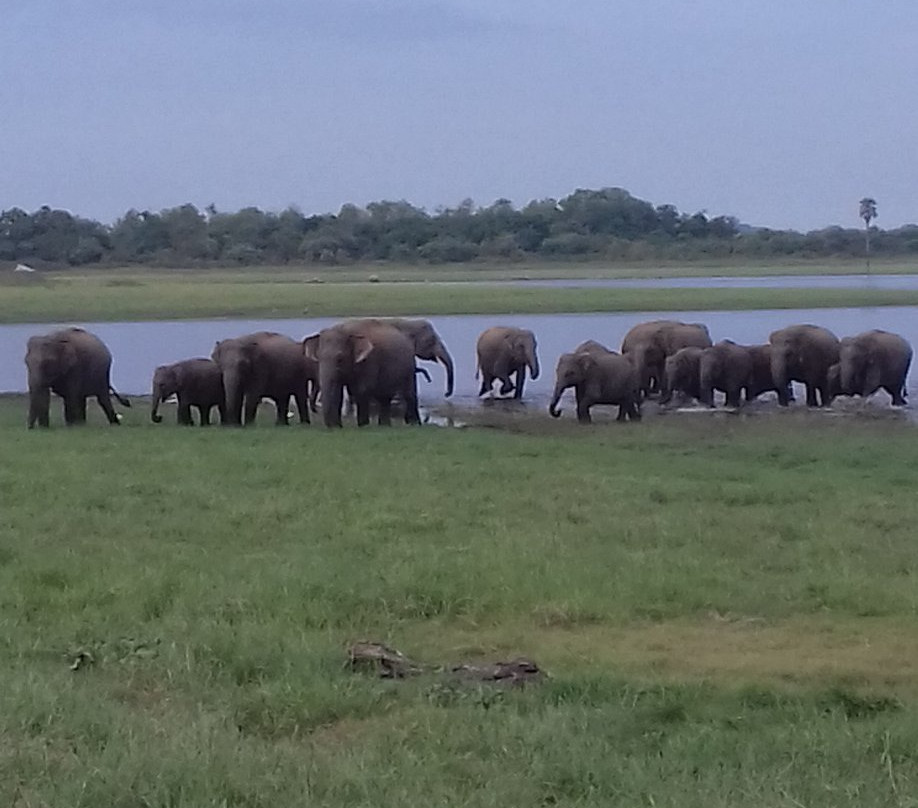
point(138, 347)
point(865, 281)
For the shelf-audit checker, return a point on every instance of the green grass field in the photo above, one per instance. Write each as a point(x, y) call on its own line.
point(727, 611)
point(140, 294)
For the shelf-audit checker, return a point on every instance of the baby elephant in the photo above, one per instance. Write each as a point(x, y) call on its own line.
point(196, 382)
point(598, 377)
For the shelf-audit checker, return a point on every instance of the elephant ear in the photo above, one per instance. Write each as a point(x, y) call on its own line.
point(311, 347)
point(586, 362)
point(363, 347)
point(176, 376)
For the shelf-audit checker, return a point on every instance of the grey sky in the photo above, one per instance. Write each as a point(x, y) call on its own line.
point(783, 113)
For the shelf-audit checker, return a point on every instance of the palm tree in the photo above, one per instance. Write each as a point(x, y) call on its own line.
point(868, 212)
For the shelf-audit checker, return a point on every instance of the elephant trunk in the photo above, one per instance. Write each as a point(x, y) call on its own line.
point(849, 386)
point(556, 397)
point(39, 404)
point(232, 385)
point(155, 417)
point(532, 360)
point(332, 399)
point(442, 356)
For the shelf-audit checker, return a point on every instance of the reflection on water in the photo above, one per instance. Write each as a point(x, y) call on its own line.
point(138, 347)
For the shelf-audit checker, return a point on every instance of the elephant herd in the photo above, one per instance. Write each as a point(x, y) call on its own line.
point(667, 357)
point(373, 362)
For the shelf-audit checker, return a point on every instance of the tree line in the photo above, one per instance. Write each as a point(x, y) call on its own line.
point(608, 224)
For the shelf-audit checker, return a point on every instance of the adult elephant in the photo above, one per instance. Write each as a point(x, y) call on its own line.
point(196, 383)
point(727, 367)
point(872, 360)
point(598, 376)
point(373, 361)
point(427, 343)
point(502, 352)
point(75, 365)
point(803, 353)
point(682, 374)
point(263, 365)
point(650, 343)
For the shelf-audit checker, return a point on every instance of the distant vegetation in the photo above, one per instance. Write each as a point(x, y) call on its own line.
point(608, 224)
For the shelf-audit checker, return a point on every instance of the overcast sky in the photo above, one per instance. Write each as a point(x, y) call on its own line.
point(782, 113)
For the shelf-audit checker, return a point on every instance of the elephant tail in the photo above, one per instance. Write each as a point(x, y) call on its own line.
point(121, 399)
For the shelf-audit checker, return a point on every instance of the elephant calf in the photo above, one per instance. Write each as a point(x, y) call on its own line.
point(196, 382)
point(682, 374)
point(727, 367)
point(598, 376)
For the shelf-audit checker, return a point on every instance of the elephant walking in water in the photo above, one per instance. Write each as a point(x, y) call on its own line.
point(373, 361)
point(196, 382)
point(263, 365)
point(869, 361)
point(75, 365)
point(503, 352)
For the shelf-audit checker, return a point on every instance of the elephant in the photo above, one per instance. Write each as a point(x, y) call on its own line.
point(427, 343)
point(74, 364)
point(803, 353)
point(869, 361)
point(503, 352)
point(263, 365)
point(598, 377)
point(682, 374)
point(196, 382)
point(727, 367)
point(652, 342)
point(373, 360)
point(760, 378)
point(594, 347)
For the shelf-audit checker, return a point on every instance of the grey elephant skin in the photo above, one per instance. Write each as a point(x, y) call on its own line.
point(74, 364)
point(263, 365)
point(650, 343)
point(682, 374)
point(869, 361)
point(503, 352)
point(427, 343)
point(370, 359)
point(196, 383)
point(803, 353)
point(726, 367)
point(598, 376)
point(760, 378)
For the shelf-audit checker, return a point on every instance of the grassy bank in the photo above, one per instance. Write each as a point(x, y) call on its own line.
point(151, 295)
point(727, 614)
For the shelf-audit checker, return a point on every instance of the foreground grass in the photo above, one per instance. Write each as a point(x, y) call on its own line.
point(151, 294)
point(728, 614)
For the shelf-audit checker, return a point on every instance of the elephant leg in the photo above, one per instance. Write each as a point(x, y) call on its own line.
point(898, 400)
point(221, 408)
point(363, 411)
point(487, 382)
point(734, 397)
point(281, 403)
point(302, 405)
point(520, 379)
point(204, 414)
point(811, 400)
point(412, 414)
point(105, 402)
point(583, 412)
point(184, 413)
point(71, 415)
point(506, 386)
point(250, 408)
point(384, 410)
